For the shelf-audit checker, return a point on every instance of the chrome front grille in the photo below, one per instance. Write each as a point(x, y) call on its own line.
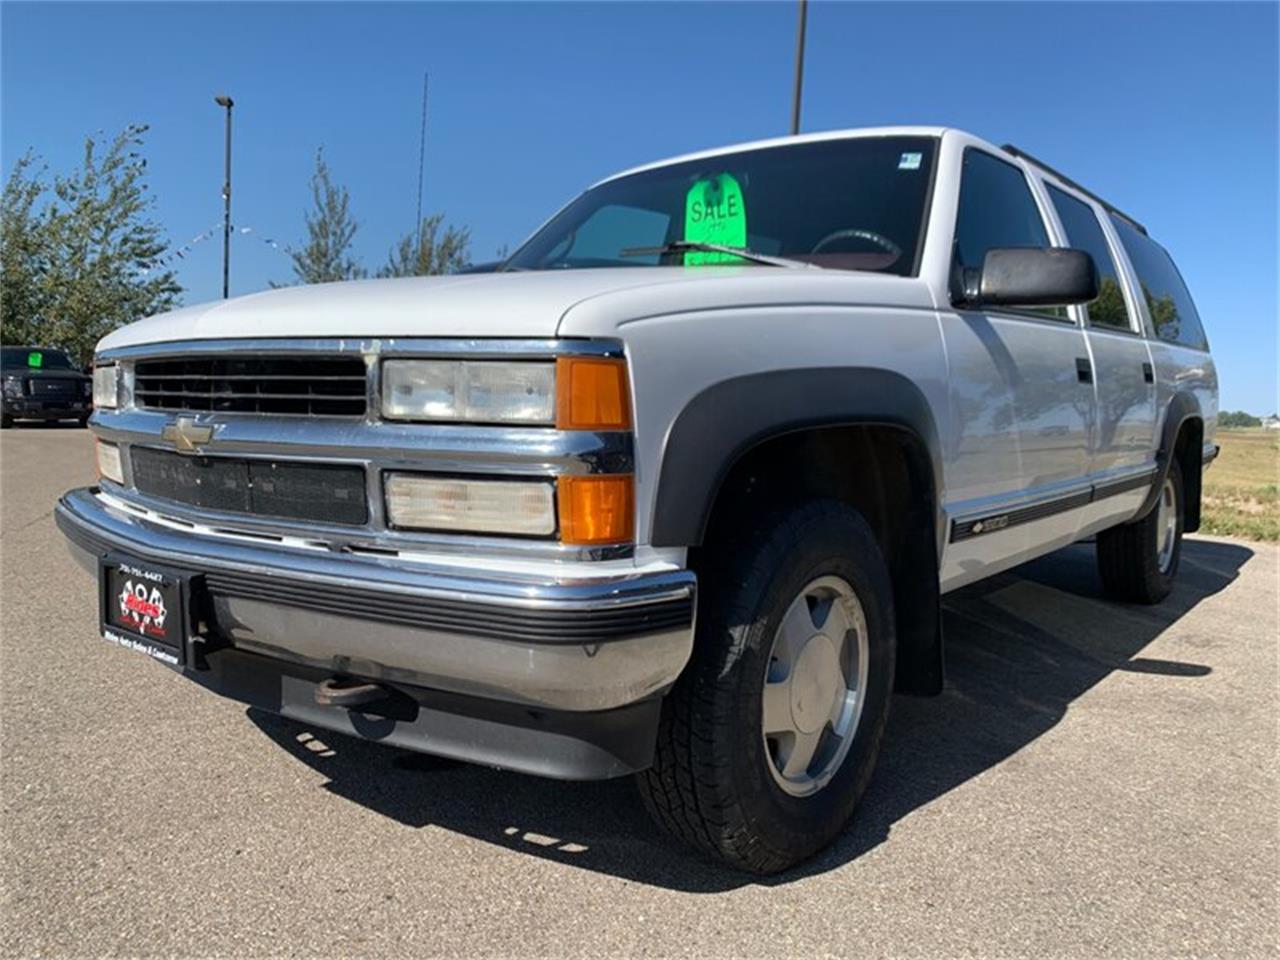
point(318, 386)
point(324, 492)
point(246, 476)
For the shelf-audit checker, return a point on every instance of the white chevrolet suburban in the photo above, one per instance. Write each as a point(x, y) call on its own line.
point(673, 491)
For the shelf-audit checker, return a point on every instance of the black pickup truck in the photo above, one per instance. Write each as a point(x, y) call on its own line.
point(37, 383)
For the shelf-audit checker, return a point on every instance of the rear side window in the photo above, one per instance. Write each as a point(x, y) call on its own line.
point(997, 210)
point(1085, 233)
point(1169, 302)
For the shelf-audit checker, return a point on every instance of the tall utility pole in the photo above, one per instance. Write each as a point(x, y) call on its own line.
point(223, 100)
point(795, 97)
point(422, 153)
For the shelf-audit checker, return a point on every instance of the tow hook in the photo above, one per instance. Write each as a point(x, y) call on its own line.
point(348, 692)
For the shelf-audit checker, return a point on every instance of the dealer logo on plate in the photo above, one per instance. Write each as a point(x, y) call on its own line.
point(142, 608)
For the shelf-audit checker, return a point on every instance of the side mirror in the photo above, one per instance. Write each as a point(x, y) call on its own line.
point(1032, 277)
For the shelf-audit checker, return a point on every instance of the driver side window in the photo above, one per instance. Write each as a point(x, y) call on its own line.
point(996, 210)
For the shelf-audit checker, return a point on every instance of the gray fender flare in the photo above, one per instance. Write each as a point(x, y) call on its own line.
point(1182, 407)
point(727, 419)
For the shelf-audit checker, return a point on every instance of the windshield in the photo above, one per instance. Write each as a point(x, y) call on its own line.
point(34, 358)
point(852, 204)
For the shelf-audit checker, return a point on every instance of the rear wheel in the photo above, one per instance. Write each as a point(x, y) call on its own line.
point(1139, 561)
point(771, 734)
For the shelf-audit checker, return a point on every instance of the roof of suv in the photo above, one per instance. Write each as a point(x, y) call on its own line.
point(1009, 148)
point(849, 134)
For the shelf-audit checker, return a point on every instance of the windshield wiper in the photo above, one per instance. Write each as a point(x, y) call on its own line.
point(683, 246)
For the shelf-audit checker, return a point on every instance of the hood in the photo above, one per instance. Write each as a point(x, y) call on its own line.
point(465, 305)
point(536, 304)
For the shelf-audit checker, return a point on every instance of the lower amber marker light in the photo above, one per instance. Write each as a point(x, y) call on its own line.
point(597, 510)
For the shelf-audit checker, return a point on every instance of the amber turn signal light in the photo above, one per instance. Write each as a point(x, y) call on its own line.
point(591, 394)
point(597, 510)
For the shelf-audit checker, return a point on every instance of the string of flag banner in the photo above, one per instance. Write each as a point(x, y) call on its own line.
point(180, 253)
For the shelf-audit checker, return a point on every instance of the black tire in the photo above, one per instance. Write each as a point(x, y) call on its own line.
point(1129, 555)
point(6, 421)
point(711, 784)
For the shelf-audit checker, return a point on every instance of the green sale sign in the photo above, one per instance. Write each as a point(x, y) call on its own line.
point(714, 213)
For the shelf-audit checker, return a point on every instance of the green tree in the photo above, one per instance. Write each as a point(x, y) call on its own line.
point(92, 259)
point(23, 253)
point(330, 231)
point(1238, 418)
point(429, 252)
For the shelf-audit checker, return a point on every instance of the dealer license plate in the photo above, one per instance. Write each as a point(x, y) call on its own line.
point(143, 608)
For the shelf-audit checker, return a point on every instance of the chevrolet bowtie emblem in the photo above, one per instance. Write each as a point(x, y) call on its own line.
point(187, 435)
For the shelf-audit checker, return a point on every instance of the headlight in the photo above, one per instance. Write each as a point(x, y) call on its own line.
point(87, 386)
point(521, 507)
point(469, 391)
point(12, 386)
point(574, 393)
point(109, 462)
point(105, 386)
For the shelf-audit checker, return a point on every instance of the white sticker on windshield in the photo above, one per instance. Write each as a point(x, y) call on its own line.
point(910, 161)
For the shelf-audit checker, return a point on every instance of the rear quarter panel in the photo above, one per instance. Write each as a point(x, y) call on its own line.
point(1186, 370)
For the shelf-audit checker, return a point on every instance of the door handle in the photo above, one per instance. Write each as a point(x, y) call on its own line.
point(1148, 374)
point(1084, 370)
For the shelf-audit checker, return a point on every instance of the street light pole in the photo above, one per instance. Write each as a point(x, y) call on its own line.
point(795, 97)
point(223, 100)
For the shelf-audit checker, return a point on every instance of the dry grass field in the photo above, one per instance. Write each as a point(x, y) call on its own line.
point(1242, 487)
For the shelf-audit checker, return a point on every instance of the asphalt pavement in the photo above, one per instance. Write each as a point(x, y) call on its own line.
point(1097, 780)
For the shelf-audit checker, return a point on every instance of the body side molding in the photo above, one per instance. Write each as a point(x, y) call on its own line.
point(991, 521)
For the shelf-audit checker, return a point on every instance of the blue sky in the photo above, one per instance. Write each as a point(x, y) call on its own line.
point(1168, 110)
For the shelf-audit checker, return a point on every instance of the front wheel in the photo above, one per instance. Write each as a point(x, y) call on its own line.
point(770, 736)
point(1139, 561)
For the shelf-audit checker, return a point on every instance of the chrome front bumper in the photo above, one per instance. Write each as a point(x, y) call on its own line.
point(577, 645)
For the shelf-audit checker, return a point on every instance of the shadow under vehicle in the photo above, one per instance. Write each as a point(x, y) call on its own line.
point(1011, 676)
